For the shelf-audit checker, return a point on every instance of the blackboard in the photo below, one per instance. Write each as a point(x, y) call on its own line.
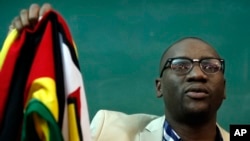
point(120, 43)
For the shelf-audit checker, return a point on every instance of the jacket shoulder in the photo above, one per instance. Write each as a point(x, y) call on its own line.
point(109, 125)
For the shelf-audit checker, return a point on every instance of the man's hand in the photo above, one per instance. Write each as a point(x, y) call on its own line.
point(29, 17)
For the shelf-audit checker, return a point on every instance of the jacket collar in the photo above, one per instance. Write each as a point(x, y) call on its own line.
point(153, 131)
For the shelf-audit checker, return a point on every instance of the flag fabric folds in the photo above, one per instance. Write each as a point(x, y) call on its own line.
point(42, 95)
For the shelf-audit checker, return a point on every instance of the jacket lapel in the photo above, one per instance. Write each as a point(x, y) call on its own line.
point(153, 131)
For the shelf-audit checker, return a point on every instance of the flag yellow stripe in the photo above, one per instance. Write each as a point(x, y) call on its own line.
point(42, 128)
point(73, 130)
point(8, 41)
point(75, 48)
point(44, 90)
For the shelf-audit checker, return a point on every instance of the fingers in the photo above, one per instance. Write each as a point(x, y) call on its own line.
point(45, 8)
point(24, 17)
point(17, 23)
point(33, 14)
point(29, 17)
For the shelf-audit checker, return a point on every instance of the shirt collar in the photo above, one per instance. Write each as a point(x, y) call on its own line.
point(170, 135)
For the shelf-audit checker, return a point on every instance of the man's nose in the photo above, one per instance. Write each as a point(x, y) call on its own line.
point(196, 74)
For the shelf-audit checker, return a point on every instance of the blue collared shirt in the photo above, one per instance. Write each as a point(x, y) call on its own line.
point(170, 135)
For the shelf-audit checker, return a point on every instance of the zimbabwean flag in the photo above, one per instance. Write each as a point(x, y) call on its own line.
point(42, 95)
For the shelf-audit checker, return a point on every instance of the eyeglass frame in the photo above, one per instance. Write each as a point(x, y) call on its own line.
point(170, 60)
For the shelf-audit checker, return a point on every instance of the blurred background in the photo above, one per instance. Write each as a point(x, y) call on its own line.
point(120, 43)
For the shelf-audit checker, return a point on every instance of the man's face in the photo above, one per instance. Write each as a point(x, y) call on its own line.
point(196, 92)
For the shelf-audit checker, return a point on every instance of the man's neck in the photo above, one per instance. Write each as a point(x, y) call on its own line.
point(198, 132)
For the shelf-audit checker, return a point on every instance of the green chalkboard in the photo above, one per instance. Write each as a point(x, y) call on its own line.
point(120, 43)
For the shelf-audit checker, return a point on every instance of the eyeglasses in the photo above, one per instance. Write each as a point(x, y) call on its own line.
point(182, 65)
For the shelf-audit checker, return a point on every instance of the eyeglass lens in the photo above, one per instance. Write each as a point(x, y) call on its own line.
point(182, 65)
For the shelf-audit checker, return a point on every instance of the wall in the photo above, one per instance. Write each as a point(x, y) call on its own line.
point(120, 43)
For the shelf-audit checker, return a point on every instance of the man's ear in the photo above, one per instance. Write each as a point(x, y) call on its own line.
point(158, 87)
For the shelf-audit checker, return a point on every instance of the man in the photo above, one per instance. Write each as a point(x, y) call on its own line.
point(192, 86)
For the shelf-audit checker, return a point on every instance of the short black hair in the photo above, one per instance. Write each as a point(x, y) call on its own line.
point(177, 41)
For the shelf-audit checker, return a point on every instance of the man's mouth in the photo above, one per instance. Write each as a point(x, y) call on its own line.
point(197, 93)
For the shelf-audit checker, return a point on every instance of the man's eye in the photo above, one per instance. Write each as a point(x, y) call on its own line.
point(211, 67)
point(181, 66)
